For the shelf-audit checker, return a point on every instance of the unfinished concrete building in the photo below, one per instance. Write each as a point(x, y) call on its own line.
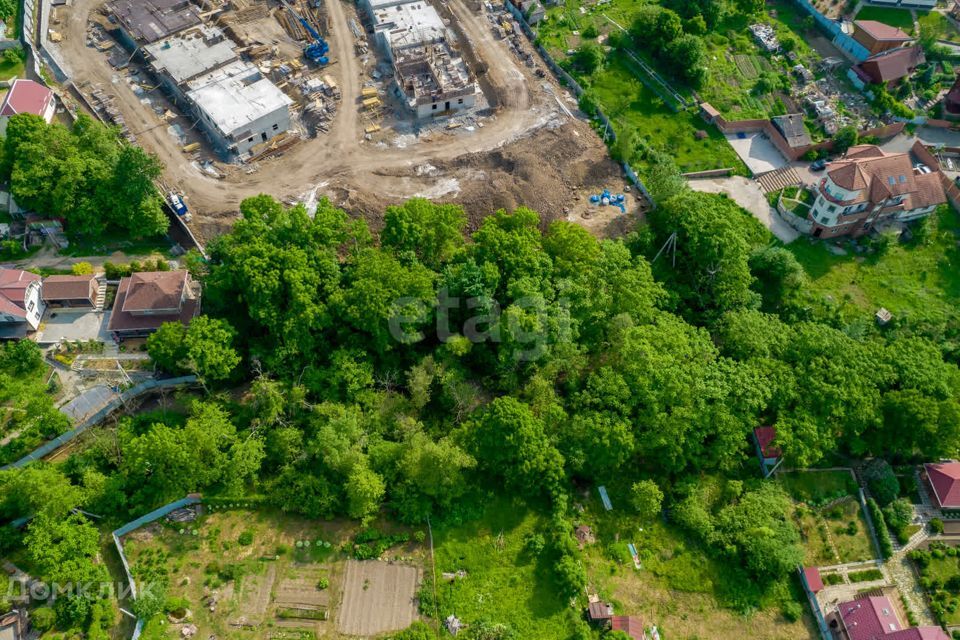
point(233, 103)
point(238, 107)
point(142, 22)
point(430, 73)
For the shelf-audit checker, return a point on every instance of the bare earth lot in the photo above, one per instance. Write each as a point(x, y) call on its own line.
point(377, 597)
point(527, 150)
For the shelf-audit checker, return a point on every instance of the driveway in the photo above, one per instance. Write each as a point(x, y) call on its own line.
point(757, 152)
point(748, 194)
point(66, 324)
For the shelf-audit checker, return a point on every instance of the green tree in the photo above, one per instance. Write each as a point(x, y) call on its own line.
point(587, 58)
point(166, 346)
point(208, 348)
point(364, 489)
point(646, 498)
point(433, 232)
point(844, 138)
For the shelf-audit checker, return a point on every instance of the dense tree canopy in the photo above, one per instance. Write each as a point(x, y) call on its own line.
point(85, 175)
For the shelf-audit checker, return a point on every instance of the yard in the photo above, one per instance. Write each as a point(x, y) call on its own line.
point(900, 18)
point(939, 568)
point(817, 487)
point(920, 280)
point(633, 107)
point(682, 590)
point(834, 535)
point(503, 582)
point(245, 574)
point(939, 25)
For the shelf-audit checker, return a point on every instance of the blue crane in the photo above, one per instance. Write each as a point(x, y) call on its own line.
point(315, 51)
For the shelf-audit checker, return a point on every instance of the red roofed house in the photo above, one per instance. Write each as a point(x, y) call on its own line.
point(875, 618)
point(811, 576)
point(600, 612)
point(944, 479)
point(888, 67)
point(631, 625)
point(877, 37)
point(20, 303)
point(146, 300)
point(27, 96)
point(767, 452)
point(869, 185)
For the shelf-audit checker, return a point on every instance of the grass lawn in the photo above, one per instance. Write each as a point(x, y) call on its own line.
point(117, 241)
point(940, 570)
point(936, 22)
point(10, 70)
point(632, 106)
point(682, 590)
point(918, 280)
point(900, 18)
point(504, 584)
point(817, 487)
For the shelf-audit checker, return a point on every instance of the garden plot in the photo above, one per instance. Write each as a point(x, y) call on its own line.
point(254, 575)
point(377, 597)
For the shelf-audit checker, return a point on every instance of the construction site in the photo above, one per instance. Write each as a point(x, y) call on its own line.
point(366, 104)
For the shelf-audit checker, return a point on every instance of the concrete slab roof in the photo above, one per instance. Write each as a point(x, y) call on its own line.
point(192, 53)
point(410, 24)
point(152, 20)
point(235, 96)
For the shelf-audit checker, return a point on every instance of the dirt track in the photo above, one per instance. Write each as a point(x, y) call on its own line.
point(528, 152)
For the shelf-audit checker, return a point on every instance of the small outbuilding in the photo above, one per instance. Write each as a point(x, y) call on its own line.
point(630, 625)
point(599, 612)
point(27, 96)
point(70, 291)
point(811, 577)
point(767, 452)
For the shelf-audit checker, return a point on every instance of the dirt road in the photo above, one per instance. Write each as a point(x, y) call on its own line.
point(356, 174)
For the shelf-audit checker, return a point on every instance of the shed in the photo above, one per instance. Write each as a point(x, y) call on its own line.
point(811, 575)
point(70, 291)
point(631, 625)
point(600, 611)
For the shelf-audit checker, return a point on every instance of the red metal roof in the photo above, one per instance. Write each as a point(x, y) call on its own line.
point(13, 289)
point(945, 479)
point(881, 31)
point(26, 96)
point(869, 618)
point(814, 581)
point(630, 625)
point(765, 437)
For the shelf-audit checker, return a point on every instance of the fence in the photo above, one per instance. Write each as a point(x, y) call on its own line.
point(843, 41)
point(128, 395)
point(133, 525)
point(568, 80)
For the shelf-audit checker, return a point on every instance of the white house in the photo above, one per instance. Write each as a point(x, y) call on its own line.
point(21, 303)
point(868, 185)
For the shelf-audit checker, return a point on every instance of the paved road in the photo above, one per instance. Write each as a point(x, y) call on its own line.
point(748, 194)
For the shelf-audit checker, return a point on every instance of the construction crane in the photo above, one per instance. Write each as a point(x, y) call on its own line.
point(315, 51)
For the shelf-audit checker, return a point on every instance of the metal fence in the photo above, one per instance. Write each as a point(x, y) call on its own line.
point(578, 91)
point(842, 41)
point(133, 525)
point(128, 395)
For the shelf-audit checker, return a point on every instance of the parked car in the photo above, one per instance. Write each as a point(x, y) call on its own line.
point(818, 165)
point(922, 168)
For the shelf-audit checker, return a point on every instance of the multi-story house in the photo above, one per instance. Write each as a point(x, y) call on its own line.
point(869, 185)
point(21, 304)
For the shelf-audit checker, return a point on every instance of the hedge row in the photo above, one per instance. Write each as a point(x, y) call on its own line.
point(880, 525)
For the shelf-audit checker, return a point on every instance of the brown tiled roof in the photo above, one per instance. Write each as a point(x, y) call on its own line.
point(69, 288)
point(153, 290)
point(849, 176)
point(864, 151)
point(121, 320)
point(929, 191)
point(892, 65)
point(881, 31)
point(867, 168)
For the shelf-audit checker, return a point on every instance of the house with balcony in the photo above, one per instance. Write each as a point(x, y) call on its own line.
point(869, 185)
point(146, 300)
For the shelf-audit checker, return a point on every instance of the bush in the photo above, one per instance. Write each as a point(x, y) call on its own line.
point(936, 525)
point(43, 618)
point(590, 32)
point(881, 481)
point(323, 583)
point(246, 538)
point(82, 269)
point(791, 611)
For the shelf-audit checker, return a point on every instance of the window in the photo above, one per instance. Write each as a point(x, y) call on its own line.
point(276, 127)
point(434, 107)
point(459, 100)
point(832, 208)
point(30, 306)
point(892, 180)
point(250, 139)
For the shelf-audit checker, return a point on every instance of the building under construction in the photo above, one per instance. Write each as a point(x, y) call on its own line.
point(431, 75)
point(200, 68)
